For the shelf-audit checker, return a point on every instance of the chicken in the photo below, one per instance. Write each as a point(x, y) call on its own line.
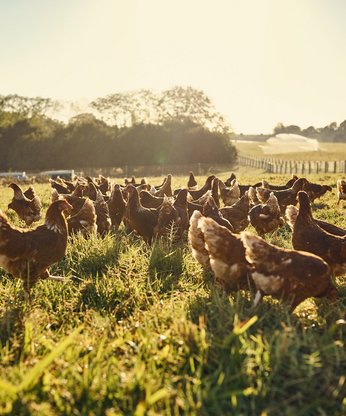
point(29, 210)
point(166, 188)
point(228, 181)
point(206, 187)
point(341, 190)
point(75, 201)
point(196, 241)
point(266, 218)
point(237, 214)
point(309, 236)
point(289, 184)
point(59, 186)
point(103, 220)
point(138, 218)
point(104, 184)
point(291, 216)
point(150, 201)
point(288, 275)
point(180, 204)
point(215, 191)
point(202, 200)
point(315, 190)
point(116, 207)
point(253, 196)
point(211, 210)
point(226, 255)
point(192, 183)
point(84, 221)
point(230, 195)
point(27, 254)
point(285, 197)
point(168, 219)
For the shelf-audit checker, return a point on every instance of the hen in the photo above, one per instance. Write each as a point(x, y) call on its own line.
point(289, 275)
point(315, 190)
point(103, 220)
point(309, 236)
point(116, 207)
point(341, 189)
point(229, 195)
point(211, 210)
point(266, 218)
point(206, 187)
point(285, 197)
point(196, 241)
point(138, 218)
point(226, 255)
point(289, 184)
point(237, 214)
point(291, 216)
point(181, 205)
point(27, 254)
point(192, 183)
point(29, 210)
point(168, 219)
point(84, 221)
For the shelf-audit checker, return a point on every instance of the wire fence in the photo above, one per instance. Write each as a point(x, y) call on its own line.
point(293, 166)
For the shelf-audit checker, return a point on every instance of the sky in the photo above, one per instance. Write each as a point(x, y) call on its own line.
point(260, 61)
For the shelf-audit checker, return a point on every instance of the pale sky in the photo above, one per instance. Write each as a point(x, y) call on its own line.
point(260, 61)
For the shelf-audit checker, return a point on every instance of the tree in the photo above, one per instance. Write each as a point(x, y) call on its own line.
point(146, 106)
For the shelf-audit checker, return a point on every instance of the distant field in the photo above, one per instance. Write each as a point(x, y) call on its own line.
point(328, 151)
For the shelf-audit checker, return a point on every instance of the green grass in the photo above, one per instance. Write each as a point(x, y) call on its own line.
point(142, 330)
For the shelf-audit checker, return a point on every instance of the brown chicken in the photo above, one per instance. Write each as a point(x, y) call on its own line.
point(103, 220)
point(166, 188)
point(288, 185)
point(27, 254)
point(341, 190)
point(285, 197)
point(138, 218)
point(28, 210)
point(150, 201)
point(84, 221)
point(197, 242)
point(215, 191)
point(228, 181)
point(206, 187)
point(288, 275)
point(211, 210)
point(309, 236)
point(168, 220)
point(266, 218)
point(315, 190)
point(226, 255)
point(229, 195)
point(180, 204)
point(116, 207)
point(291, 216)
point(59, 186)
point(237, 214)
point(192, 183)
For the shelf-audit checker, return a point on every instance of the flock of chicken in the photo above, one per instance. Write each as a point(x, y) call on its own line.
point(238, 259)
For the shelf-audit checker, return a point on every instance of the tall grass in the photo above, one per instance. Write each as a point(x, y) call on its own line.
point(142, 330)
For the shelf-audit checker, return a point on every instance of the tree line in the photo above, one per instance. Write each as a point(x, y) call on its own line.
point(330, 133)
point(186, 129)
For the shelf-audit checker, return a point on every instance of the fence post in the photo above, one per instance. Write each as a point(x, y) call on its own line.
point(326, 167)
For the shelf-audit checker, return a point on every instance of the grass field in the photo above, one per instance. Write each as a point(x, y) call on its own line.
point(328, 151)
point(142, 331)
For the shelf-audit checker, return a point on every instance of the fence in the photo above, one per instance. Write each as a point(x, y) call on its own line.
point(293, 166)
